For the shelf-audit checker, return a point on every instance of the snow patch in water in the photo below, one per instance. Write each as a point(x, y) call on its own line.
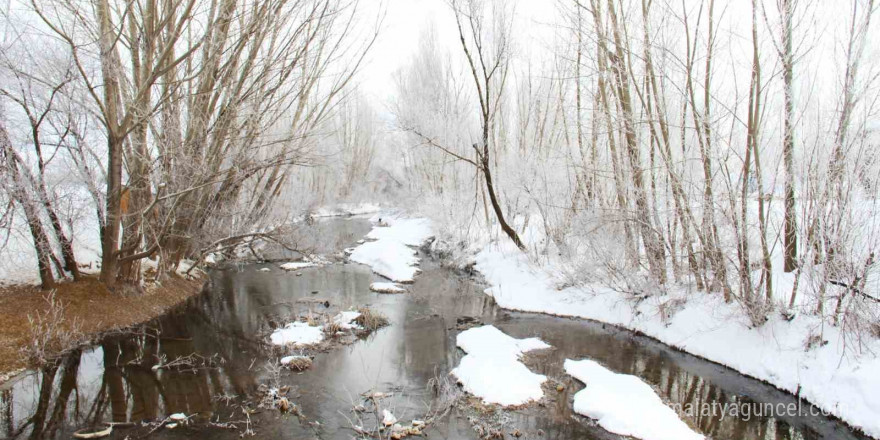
point(296, 265)
point(390, 254)
point(344, 320)
point(297, 333)
point(492, 370)
point(386, 288)
point(625, 405)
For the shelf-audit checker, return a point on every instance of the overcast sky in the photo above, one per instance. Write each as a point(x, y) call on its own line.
point(406, 19)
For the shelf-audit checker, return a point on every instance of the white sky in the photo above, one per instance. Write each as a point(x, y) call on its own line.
point(405, 22)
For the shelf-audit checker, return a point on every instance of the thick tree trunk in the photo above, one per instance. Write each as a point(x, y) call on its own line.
point(109, 73)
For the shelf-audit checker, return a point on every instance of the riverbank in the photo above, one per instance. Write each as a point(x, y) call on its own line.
point(826, 374)
point(36, 324)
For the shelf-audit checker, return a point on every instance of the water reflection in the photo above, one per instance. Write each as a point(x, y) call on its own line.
point(219, 335)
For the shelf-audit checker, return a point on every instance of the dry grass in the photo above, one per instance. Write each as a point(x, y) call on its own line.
point(299, 363)
point(49, 332)
point(370, 319)
point(82, 311)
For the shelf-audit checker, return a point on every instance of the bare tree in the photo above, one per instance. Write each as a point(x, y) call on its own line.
point(486, 45)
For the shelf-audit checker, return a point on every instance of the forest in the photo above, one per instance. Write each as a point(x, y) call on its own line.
point(707, 161)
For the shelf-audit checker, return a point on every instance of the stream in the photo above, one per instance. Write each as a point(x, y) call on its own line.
point(221, 336)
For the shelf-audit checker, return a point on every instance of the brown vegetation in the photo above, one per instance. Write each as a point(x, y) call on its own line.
point(79, 311)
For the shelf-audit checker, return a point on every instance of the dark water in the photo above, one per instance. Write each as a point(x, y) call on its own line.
point(221, 334)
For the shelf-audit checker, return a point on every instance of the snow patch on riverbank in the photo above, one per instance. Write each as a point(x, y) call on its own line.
point(389, 253)
point(625, 405)
point(492, 370)
point(838, 382)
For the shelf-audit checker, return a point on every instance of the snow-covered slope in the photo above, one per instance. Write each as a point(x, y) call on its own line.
point(838, 382)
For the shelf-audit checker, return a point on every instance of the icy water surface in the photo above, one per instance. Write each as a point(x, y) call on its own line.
point(221, 335)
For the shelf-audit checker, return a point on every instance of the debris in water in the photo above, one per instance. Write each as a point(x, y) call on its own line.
point(285, 406)
point(297, 363)
point(88, 433)
point(388, 419)
point(466, 322)
point(376, 395)
point(265, 269)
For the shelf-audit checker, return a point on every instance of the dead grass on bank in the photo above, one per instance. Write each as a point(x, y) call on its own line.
point(36, 326)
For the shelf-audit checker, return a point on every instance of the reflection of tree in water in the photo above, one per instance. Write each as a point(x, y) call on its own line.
point(682, 388)
point(46, 419)
point(130, 390)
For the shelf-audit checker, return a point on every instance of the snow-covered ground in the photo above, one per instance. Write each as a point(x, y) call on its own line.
point(492, 370)
point(625, 405)
point(390, 250)
point(18, 260)
point(836, 381)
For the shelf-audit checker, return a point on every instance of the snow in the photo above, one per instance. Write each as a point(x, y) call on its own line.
point(344, 320)
point(388, 418)
point(390, 254)
point(346, 210)
point(834, 380)
point(386, 288)
point(625, 405)
point(492, 370)
point(297, 265)
point(297, 333)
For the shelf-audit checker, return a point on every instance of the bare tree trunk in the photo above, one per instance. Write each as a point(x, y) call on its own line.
point(754, 131)
point(483, 70)
point(631, 247)
point(682, 210)
point(20, 193)
point(790, 234)
point(651, 238)
point(109, 72)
